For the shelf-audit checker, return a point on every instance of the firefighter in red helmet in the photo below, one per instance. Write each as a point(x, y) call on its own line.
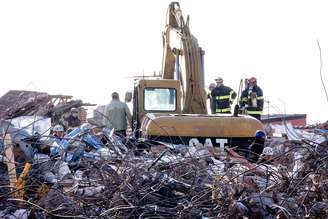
point(252, 99)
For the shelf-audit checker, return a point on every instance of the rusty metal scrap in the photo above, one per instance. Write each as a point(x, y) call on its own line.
point(16, 103)
point(115, 177)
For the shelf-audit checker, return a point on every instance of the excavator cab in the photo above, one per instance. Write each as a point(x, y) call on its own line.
point(154, 96)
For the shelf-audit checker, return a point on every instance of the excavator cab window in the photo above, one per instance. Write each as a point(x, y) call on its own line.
point(160, 99)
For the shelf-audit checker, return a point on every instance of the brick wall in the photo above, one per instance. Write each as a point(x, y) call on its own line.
point(294, 122)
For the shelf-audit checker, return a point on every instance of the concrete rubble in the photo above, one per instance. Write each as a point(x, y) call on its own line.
point(92, 173)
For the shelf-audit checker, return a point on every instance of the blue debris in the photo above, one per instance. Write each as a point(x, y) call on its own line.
point(83, 138)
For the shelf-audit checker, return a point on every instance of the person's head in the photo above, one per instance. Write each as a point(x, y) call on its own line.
point(267, 153)
point(74, 112)
point(58, 131)
point(252, 81)
point(211, 86)
point(219, 81)
point(260, 136)
point(115, 96)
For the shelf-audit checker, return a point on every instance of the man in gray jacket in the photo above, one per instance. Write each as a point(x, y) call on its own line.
point(117, 115)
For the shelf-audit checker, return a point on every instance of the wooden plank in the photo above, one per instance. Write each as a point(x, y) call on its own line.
point(10, 161)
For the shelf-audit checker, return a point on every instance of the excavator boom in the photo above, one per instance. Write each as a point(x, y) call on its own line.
point(192, 76)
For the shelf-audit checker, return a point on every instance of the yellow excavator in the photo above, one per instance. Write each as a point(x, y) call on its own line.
point(172, 108)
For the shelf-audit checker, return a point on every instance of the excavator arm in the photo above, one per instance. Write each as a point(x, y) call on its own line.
point(184, 63)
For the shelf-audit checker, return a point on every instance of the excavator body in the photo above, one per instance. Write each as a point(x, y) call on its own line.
point(173, 108)
point(158, 116)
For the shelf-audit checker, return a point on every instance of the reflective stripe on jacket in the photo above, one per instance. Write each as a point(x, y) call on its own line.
point(224, 97)
point(226, 110)
point(246, 100)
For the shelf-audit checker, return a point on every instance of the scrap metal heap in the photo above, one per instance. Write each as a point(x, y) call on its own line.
point(17, 103)
point(92, 173)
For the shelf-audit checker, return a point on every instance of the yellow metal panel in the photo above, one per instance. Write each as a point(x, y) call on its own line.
point(200, 125)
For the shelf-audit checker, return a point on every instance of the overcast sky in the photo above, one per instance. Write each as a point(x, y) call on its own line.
point(89, 49)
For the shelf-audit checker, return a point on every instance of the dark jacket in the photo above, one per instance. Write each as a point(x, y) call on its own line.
point(212, 102)
point(224, 97)
point(246, 100)
point(255, 150)
point(73, 121)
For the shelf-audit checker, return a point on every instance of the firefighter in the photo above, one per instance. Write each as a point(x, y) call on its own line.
point(224, 96)
point(252, 99)
point(212, 100)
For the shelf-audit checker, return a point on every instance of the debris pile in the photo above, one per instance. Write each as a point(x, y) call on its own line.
point(17, 103)
point(323, 126)
point(89, 174)
point(92, 173)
